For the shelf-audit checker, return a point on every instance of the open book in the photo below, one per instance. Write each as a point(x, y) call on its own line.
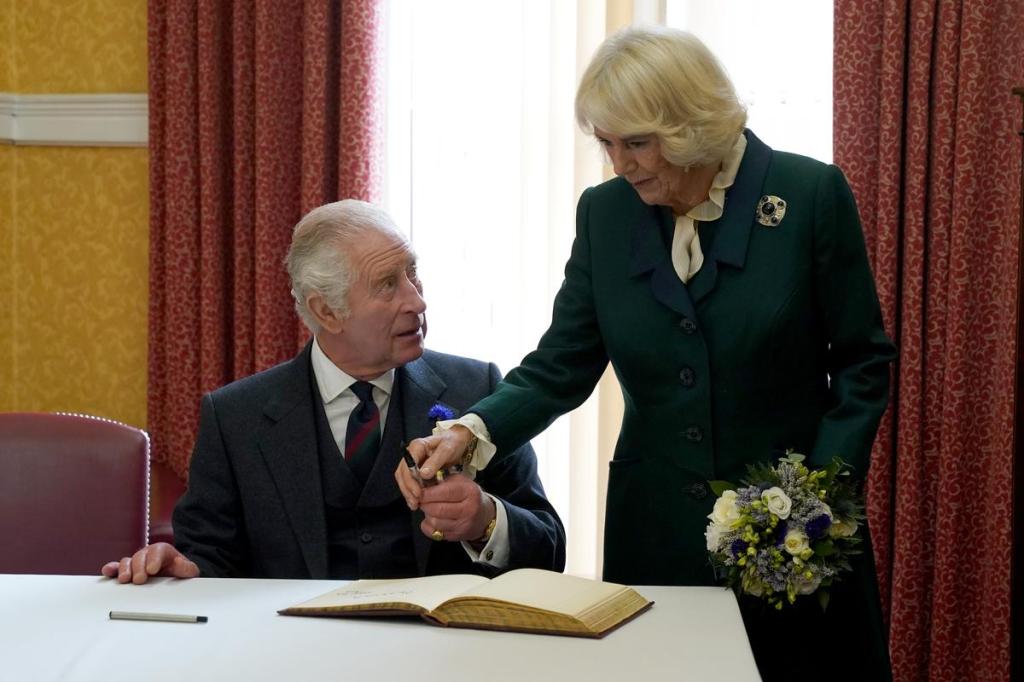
point(525, 600)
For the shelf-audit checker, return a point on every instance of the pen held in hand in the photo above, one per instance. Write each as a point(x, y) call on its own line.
point(414, 468)
point(161, 617)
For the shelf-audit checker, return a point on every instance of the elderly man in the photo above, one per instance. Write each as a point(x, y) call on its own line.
point(291, 475)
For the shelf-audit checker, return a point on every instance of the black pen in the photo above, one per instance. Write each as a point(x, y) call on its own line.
point(414, 468)
point(162, 617)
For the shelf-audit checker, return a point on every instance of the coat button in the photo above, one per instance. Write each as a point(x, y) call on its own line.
point(694, 434)
point(688, 326)
point(687, 376)
point(366, 538)
point(698, 491)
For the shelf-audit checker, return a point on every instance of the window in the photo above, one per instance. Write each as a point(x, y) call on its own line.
point(779, 56)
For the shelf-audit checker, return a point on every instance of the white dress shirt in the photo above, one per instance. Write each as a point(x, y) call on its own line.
point(339, 401)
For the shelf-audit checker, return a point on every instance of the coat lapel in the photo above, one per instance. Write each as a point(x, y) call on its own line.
point(732, 230)
point(650, 255)
point(289, 449)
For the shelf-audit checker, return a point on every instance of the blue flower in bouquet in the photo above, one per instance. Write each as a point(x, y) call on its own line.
point(738, 548)
point(787, 532)
point(818, 527)
point(439, 412)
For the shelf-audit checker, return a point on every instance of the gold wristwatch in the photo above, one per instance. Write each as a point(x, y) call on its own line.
point(486, 537)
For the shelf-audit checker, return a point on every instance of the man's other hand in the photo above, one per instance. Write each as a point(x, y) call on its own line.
point(159, 559)
point(458, 508)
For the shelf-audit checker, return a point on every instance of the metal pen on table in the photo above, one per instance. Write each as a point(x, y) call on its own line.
point(161, 617)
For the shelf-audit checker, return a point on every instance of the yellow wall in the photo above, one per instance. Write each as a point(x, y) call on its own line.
point(80, 46)
point(74, 223)
point(6, 45)
point(6, 277)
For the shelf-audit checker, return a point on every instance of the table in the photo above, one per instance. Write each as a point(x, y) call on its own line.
point(56, 628)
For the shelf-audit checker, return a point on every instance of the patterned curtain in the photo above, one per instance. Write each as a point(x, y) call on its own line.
point(925, 128)
point(259, 111)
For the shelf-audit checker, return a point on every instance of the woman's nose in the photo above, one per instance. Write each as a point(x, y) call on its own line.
point(622, 161)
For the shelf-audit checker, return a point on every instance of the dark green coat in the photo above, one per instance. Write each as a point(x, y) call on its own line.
point(776, 343)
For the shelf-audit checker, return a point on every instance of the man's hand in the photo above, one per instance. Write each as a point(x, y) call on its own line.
point(431, 454)
point(159, 559)
point(458, 508)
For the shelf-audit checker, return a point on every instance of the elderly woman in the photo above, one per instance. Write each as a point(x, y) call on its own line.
point(729, 286)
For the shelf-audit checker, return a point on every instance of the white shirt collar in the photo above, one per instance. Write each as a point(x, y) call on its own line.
point(713, 207)
point(333, 381)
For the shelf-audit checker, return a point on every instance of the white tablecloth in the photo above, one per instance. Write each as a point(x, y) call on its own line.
point(56, 628)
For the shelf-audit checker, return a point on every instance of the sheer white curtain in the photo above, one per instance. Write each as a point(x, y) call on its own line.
point(484, 167)
point(779, 56)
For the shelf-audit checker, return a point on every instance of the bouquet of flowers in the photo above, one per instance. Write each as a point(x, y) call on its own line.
point(787, 532)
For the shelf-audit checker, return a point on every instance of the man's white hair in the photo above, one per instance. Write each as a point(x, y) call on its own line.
point(319, 262)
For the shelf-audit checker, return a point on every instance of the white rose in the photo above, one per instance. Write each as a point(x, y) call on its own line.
point(726, 513)
point(714, 535)
point(827, 511)
point(796, 542)
point(806, 585)
point(777, 502)
point(842, 528)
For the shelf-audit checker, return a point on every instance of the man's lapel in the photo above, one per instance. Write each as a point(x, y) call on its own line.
point(732, 230)
point(421, 388)
point(289, 448)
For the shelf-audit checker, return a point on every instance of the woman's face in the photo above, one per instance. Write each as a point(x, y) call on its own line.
point(638, 159)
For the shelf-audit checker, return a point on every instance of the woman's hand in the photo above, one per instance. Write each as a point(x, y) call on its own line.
point(431, 455)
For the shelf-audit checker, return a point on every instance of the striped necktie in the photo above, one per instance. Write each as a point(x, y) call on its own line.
point(362, 437)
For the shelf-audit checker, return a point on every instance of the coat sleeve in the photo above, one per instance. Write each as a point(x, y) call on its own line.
point(859, 352)
point(568, 362)
point(536, 534)
point(208, 518)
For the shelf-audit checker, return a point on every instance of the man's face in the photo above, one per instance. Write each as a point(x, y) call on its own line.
point(386, 324)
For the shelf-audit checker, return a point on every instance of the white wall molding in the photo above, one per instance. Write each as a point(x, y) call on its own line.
point(115, 120)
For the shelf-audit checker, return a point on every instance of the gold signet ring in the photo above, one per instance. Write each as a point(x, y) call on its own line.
point(437, 535)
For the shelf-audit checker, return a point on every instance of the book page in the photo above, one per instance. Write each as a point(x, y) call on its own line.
point(546, 590)
point(426, 592)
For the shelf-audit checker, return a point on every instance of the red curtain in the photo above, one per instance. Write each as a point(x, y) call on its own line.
point(259, 111)
point(925, 128)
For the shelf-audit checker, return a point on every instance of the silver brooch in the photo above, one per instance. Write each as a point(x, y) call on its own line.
point(770, 210)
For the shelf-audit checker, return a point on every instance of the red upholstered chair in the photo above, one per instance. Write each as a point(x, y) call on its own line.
point(164, 490)
point(74, 492)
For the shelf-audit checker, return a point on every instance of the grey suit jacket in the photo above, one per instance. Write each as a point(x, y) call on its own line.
point(254, 505)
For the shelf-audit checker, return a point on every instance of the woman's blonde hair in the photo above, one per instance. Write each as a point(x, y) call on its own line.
point(666, 82)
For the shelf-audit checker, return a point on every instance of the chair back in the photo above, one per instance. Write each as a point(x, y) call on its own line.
point(74, 492)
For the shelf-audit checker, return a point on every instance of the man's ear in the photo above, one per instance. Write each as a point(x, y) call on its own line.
point(325, 316)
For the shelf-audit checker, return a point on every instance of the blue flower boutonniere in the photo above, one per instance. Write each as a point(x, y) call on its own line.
point(439, 412)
